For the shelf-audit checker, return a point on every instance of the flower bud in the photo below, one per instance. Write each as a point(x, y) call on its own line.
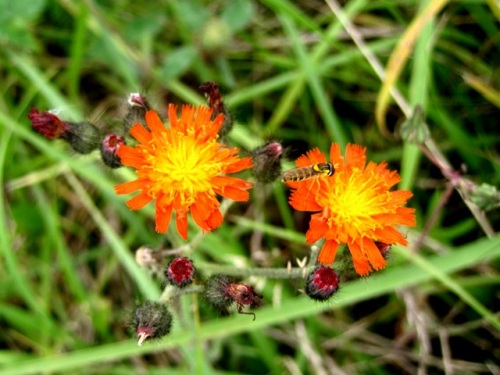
point(214, 99)
point(47, 124)
point(486, 196)
point(180, 272)
point(267, 162)
point(151, 320)
point(383, 247)
point(82, 136)
point(137, 108)
point(222, 290)
point(322, 283)
point(109, 147)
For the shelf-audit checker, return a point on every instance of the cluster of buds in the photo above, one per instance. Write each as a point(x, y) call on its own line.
point(83, 137)
point(152, 320)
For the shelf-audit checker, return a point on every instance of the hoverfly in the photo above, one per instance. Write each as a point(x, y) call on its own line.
point(299, 174)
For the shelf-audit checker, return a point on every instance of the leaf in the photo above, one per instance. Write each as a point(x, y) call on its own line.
point(178, 62)
point(238, 14)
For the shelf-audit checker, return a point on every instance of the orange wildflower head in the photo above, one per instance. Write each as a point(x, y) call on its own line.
point(353, 206)
point(183, 168)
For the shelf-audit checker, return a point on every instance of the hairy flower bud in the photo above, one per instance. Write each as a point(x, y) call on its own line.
point(109, 147)
point(137, 108)
point(267, 162)
point(82, 136)
point(214, 99)
point(222, 290)
point(322, 283)
point(180, 272)
point(151, 320)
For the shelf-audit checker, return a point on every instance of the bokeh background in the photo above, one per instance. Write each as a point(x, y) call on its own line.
point(289, 71)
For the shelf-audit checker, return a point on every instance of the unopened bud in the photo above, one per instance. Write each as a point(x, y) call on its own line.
point(137, 108)
point(214, 99)
point(486, 196)
point(414, 129)
point(222, 290)
point(267, 162)
point(109, 147)
point(180, 272)
point(383, 247)
point(47, 124)
point(82, 136)
point(322, 283)
point(151, 320)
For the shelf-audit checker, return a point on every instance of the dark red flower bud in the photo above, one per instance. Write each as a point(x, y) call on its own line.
point(222, 290)
point(151, 320)
point(137, 108)
point(383, 247)
point(214, 99)
point(109, 148)
point(180, 272)
point(322, 283)
point(47, 124)
point(82, 136)
point(267, 162)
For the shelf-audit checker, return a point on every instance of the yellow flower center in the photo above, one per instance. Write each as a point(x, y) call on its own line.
point(183, 166)
point(353, 198)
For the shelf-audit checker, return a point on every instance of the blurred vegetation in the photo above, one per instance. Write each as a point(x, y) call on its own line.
point(289, 71)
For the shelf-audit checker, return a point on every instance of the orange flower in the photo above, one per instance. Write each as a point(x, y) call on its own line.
point(183, 168)
point(355, 206)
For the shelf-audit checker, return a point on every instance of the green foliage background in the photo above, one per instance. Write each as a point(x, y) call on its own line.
point(289, 71)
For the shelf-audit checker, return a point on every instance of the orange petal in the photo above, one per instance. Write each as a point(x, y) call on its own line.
point(129, 187)
point(240, 165)
point(317, 228)
point(355, 155)
point(202, 209)
point(231, 187)
point(359, 260)
point(154, 122)
point(172, 116)
point(311, 157)
point(406, 216)
point(236, 194)
point(373, 254)
point(399, 197)
point(163, 216)
point(182, 224)
point(140, 133)
point(304, 198)
point(390, 236)
point(139, 201)
point(215, 220)
point(129, 156)
point(328, 251)
point(335, 156)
